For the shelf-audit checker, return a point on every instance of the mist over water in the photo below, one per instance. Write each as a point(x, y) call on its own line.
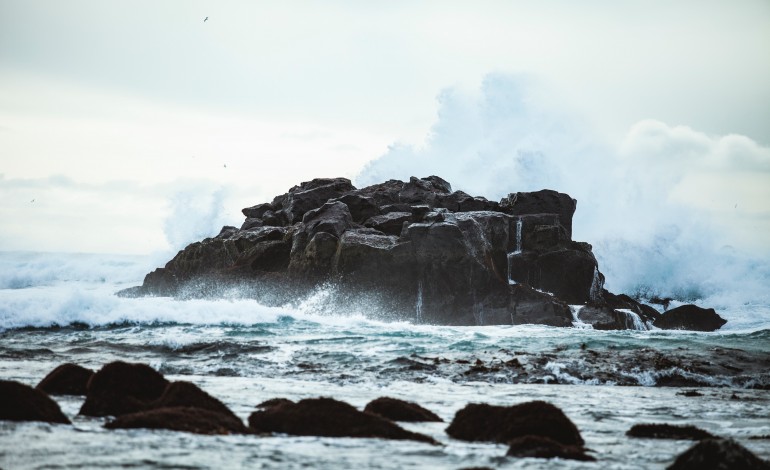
point(656, 230)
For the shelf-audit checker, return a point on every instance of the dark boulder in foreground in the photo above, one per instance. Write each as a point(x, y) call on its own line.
point(181, 418)
point(67, 379)
point(406, 250)
point(482, 422)
point(186, 394)
point(120, 388)
point(718, 454)
point(330, 418)
point(545, 448)
point(668, 431)
point(690, 317)
point(19, 402)
point(400, 410)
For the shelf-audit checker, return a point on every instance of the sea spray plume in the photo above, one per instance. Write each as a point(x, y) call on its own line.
point(642, 203)
point(196, 211)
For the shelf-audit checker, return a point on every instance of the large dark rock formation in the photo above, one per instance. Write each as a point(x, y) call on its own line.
point(19, 402)
point(409, 250)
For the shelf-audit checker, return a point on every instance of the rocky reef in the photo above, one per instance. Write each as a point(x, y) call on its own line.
point(411, 250)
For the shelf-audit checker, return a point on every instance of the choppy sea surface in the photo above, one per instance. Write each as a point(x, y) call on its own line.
point(62, 308)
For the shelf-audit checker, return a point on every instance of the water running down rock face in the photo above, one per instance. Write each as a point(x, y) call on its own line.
point(414, 251)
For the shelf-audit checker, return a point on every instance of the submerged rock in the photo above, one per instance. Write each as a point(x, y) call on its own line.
point(19, 402)
point(181, 418)
point(120, 388)
point(327, 417)
point(690, 317)
point(400, 410)
point(545, 448)
point(67, 379)
point(718, 454)
point(668, 431)
point(482, 422)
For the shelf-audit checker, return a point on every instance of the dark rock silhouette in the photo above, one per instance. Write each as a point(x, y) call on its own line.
point(181, 418)
point(718, 454)
point(400, 410)
point(668, 431)
point(545, 448)
point(120, 388)
point(19, 402)
point(186, 394)
point(411, 250)
point(273, 402)
point(330, 418)
point(690, 317)
point(482, 422)
point(67, 379)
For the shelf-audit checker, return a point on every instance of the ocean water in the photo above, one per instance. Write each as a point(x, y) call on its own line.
point(61, 308)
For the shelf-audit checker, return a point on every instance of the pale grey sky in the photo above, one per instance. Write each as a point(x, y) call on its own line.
point(119, 117)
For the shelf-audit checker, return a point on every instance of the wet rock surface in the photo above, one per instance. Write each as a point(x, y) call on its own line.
point(19, 402)
point(189, 395)
point(482, 422)
point(690, 317)
point(327, 417)
point(412, 250)
point(120, 388)
point(668, 431)
point(400, 410)
point(181, 418)
point(718, 454)
point(545, 448)
point(67, 379)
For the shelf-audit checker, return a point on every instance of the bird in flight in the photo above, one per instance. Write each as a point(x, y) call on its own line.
point(205, 19)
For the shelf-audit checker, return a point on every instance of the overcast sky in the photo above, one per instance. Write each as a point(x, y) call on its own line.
point(136, 126)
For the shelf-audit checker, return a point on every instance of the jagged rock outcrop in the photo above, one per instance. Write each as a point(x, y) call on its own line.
point(409, 250)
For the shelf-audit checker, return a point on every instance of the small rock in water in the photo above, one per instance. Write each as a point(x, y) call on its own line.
point(328, 417)
point(718, 454)
point(186, 394)
point(690, 393)
point(668, 431)
point(120, 388)
point(19, 402)
point(545, 448)
point(273, 402)
point(400, 410)
point(482, 422)
point(67, 379)
point(690, 317)
point(182, 418)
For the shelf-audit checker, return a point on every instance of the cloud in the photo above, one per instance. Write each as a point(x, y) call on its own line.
point(57, 213)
